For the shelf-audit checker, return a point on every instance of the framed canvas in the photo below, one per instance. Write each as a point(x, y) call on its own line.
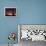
point(10, 11)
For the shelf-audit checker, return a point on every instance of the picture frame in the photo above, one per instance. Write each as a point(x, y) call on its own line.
point(9, 11)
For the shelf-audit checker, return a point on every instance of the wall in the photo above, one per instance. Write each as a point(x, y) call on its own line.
point(33, 12)
point(28, 12)
point(7, 24)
